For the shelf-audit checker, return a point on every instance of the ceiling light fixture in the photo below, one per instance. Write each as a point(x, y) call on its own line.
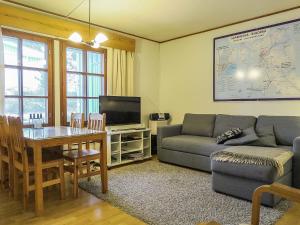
point(76, 37)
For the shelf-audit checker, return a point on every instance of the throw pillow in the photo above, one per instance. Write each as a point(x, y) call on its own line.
point(266, 137)
point(247, 136)
point(229, 134)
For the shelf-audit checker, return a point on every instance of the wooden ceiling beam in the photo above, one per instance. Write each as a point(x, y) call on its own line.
point(59, 27)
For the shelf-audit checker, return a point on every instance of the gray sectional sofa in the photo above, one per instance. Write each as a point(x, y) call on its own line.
point(191, 144)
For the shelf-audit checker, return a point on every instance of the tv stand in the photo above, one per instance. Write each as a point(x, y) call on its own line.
point(128, 145)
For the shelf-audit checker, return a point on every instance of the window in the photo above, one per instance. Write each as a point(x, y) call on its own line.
point(84, 79)
point(28, 75)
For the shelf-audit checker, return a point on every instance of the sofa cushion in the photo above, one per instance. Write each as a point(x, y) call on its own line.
point(266, 137)
point(192, 144)
point(199, 124)
point(225, 122)
point(248, 136)
point(266, 174)
point(286, 128)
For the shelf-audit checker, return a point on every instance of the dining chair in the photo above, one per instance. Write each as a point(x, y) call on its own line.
point(23, 164)
point(77, 120)
point(6, 167)
point(281, 190)
point(95, 121)
point(77, 158)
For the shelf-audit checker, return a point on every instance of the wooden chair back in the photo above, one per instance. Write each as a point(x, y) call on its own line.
point(5, 155)
point(77, 120)
point(16, 133)
point(96, 121)
point(17, 141)
point(4, 134)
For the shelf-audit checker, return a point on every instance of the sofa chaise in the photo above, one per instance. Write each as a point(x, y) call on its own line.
point(192, 143)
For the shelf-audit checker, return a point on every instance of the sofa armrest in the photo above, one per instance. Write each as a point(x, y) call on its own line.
point(167, 131)
point(296, 162)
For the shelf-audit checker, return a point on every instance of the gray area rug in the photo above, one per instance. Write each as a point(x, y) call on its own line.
point(164, 194)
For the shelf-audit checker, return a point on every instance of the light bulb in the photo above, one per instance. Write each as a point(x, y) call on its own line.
point(75, 37)
point(100, 38)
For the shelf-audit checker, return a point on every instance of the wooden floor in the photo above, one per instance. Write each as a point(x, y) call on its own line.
point(85, 210)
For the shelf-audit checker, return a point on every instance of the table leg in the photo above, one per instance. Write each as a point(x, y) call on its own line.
point(38, 175)
point(103, 164)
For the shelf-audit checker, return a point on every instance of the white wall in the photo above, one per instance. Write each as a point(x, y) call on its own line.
point(146, 76)
point(186, 76)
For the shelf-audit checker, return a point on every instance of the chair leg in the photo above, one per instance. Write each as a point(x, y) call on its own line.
point(11, 175)
point(2, 175)
point(1, 178)
point(11, 179)
point(62, 180)
point(75, 180)
point(25, 189)
point(88, 164)
point(16, 184)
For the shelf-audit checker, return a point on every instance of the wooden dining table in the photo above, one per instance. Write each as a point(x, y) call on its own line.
point(48, 137)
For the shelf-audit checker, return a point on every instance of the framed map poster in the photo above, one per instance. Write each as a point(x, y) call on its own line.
point(258, 64)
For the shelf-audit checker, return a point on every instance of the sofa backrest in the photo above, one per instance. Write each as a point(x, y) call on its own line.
point(286, 128)
point(226, 122)
point(198, 124)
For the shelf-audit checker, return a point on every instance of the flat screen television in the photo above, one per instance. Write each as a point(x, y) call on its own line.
point(120, 110)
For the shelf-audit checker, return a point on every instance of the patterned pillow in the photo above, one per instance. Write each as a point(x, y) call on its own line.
point(229, 134)
point(248, 136)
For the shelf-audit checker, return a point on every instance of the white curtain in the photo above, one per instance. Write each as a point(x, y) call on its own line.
point(119, 72)
point(2, 78)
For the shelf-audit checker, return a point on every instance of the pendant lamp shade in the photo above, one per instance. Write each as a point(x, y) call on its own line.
point(75, 37)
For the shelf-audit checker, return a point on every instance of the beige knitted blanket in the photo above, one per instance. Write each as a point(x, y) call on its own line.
point(254, 155)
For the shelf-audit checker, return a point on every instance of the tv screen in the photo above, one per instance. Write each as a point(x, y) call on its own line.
point(120, 110)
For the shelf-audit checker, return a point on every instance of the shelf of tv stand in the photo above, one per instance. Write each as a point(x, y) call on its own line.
point(115, 152)
point(131, 150)
point(130, 141)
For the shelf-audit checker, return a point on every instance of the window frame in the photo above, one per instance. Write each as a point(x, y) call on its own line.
point(49, 69)
point(63, 66)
